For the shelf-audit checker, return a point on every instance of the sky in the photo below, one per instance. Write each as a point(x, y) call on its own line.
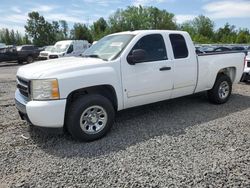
point(14, 13)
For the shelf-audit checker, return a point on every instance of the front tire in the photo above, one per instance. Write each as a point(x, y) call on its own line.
point(90, 117)
point(221, 90)
point(30, 59)
point(20, 62)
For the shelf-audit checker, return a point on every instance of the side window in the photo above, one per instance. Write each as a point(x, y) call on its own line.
point(25, 48)
point(154, 48)
point(179, 46)
point(70, 49)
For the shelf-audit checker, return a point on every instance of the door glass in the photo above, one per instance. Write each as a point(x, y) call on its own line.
point(154, 47)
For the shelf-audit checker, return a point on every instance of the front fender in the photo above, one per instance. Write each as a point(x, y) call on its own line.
point(91, 77)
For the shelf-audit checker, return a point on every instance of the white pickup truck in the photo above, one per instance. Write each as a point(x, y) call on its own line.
point(122, 70)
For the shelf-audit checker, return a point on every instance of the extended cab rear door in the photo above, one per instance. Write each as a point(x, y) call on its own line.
point(184, 64)
point(151, 79)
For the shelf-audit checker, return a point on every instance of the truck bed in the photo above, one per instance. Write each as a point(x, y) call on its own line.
point(210, 64)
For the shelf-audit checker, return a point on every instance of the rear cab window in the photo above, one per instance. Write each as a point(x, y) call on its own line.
point(179, 46)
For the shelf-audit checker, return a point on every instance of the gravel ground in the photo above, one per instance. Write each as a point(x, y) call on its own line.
point(184, 142)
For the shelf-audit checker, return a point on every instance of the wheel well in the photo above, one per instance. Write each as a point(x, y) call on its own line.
point(229, 71)
point(106, 90)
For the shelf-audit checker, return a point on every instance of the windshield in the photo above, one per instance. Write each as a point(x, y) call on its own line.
point(48, 48)
point(59, 48)
point(109, 47)
point(18, 48)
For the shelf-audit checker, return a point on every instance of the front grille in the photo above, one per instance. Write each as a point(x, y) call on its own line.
point(53, 56)
point(44, 54)
point(24, 86)
point(248, 64)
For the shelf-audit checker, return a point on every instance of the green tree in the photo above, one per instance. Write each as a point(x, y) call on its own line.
point(201, 29)
point(116, 22)
point(13, 37)
point(226, 34)
point(39, 30)
point(204, 27)
point(160, 19)
point(243, 36)
point(81, 32)
point(18, 38)
point(6, 36)
point(64, 28)
point(188, 27)
point(26, 40)
point(57, 33)
point(99, 28)
point(135, 18)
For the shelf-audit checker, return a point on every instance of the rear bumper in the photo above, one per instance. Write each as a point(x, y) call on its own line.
point(48, 114)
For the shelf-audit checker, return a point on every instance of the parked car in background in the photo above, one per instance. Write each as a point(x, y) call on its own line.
point(121, 71)
point(238, 48)
point(44, 55)
point(207, 49)
point(2, 45)
point(27, 53)
point(221, 49)
point(198, 50)
point(246, 73)
point(8, 53)
point(68, 48)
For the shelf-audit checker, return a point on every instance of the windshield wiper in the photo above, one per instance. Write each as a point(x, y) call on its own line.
point(94, 56)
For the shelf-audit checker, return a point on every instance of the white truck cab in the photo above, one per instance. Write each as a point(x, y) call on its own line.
point(121, 71)
point(66, 48)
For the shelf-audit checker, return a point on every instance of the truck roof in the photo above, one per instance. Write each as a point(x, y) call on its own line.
point(136, 32)
point(70, 41)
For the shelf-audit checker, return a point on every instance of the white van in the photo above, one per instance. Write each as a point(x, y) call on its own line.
point(44, 55)
point(68, 48)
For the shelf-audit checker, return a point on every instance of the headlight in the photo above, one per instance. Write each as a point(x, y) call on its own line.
point(45, 89)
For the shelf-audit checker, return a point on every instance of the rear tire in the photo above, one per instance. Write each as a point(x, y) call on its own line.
point(90, 117)
point(221, 90)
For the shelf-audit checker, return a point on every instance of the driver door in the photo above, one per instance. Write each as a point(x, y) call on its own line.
point(150, 79)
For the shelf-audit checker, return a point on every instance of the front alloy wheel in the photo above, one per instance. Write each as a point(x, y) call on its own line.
point(93, 119)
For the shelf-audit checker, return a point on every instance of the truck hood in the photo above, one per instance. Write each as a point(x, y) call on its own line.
point(52, 68)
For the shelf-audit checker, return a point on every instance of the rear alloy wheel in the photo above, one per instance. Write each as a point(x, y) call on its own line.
point(224, 90)
point(221, 90)
point(29, 59)
point(90, 117)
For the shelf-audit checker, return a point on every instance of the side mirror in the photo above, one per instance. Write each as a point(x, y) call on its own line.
point(137, 56)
